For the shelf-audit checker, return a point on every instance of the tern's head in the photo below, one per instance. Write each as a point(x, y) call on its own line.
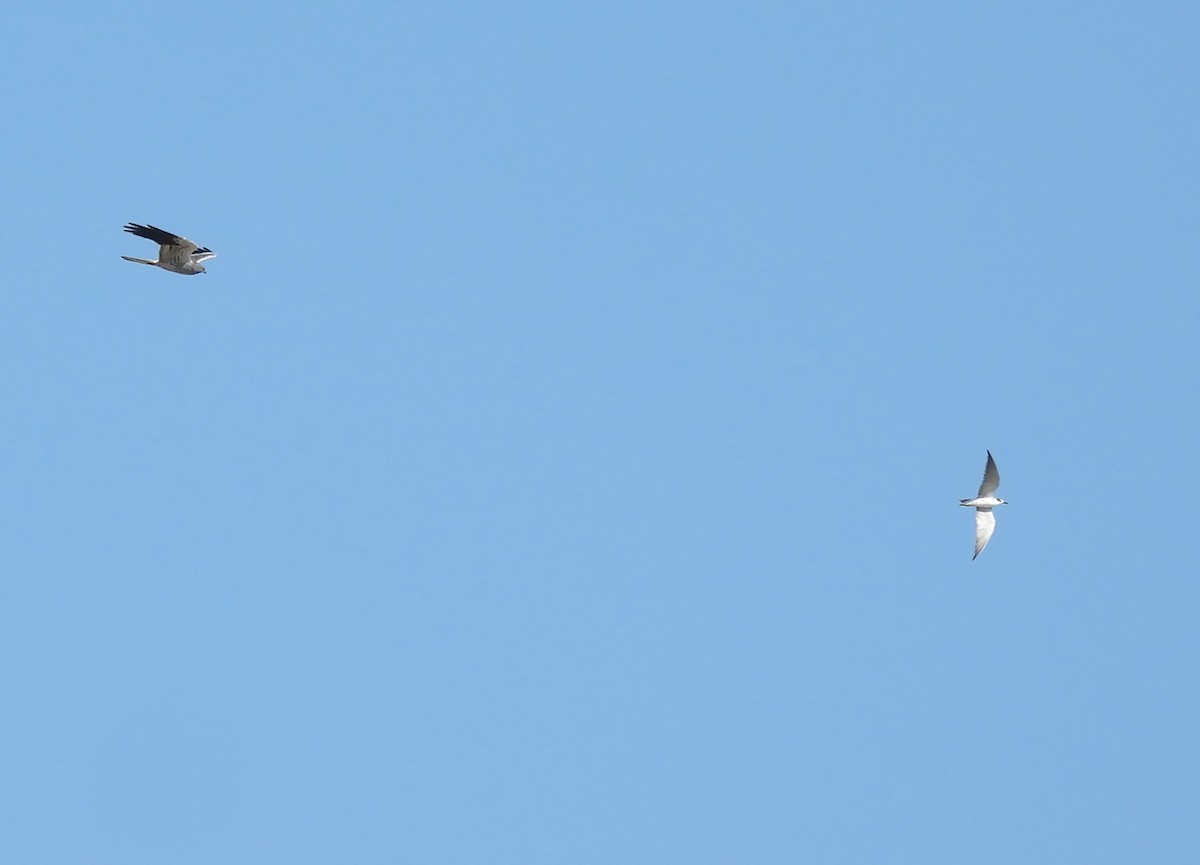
point(1001, 502)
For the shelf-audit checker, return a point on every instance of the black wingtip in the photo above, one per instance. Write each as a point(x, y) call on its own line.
point(152, 232)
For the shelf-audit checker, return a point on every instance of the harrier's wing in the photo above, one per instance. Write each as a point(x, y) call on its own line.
point(991, 479)
point(985, 524)
point(172, 249)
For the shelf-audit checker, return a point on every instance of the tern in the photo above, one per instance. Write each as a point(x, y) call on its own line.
point(176, 254)
point(985, 520)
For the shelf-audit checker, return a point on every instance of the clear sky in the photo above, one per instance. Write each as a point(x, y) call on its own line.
point(560, 462)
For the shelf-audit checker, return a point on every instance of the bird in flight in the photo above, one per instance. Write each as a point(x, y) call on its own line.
point(176, 254)
point(985, 520)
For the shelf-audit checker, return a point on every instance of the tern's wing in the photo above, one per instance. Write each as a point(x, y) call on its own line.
point(985, 524)
point(991, 478)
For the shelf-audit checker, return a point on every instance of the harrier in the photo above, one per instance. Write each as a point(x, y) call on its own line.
point(176, 254)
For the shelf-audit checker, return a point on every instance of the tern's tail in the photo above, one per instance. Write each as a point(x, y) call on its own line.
point(138, 260)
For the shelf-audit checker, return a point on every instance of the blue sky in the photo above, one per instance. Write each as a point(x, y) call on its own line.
point(560, 461)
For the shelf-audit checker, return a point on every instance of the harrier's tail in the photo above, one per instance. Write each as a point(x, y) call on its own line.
point(139, 260)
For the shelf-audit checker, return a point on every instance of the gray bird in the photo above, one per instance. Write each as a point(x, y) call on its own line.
point(985, 520)
point(176, 254)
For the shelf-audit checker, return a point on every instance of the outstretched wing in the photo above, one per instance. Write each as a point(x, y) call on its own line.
point(173, 250)
point(985, 524)
point(162, 238)
point(991, 479)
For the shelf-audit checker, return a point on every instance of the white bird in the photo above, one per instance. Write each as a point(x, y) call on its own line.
point(176, 254)
point(985, 520)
